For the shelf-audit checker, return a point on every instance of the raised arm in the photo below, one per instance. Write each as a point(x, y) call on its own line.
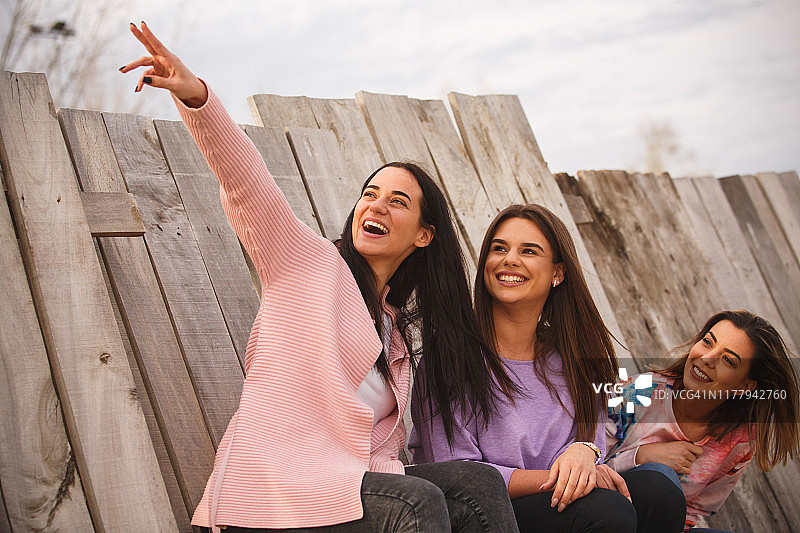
point(257, 209)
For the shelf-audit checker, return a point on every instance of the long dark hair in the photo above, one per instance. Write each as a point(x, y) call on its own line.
point(456, 357)
point(771, 420)
point(570, 322)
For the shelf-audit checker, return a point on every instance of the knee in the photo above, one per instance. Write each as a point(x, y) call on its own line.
point(612, 512)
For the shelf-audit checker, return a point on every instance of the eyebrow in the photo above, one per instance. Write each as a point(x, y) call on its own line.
point(399, 193)
point(524, 244)
point(726, 349)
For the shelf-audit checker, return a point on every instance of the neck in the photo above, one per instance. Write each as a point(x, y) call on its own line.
point(690, 410)
point(515, 331)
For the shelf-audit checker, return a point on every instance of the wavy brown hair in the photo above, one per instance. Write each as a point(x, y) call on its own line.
point(772, 421)
point(570, 322)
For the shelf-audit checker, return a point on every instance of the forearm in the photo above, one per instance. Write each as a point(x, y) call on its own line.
point(525, 482)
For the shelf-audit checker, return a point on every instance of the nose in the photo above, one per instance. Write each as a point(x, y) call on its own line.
point(379, 205)
point(511, 258)
point(711, 357)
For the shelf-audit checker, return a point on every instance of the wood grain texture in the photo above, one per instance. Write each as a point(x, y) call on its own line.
point(124, 489)
point(721, 217)
point(179, 424)
point(784, 197)
point(41, 488)
point(219, 245)
point(343, 117)
point(182, 276)
point(112, 214)
point(463, 187)
point(511, 145)
point(321, 165)
point(5, 525)
point(769, 246)
point(273, 111)
point(274, 147)
point(757, 506)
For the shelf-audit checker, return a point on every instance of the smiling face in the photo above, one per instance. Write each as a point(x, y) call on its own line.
point(386, 221)
point(720, 361)
point(519, 265)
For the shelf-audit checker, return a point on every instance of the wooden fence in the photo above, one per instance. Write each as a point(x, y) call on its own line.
point(128, 299)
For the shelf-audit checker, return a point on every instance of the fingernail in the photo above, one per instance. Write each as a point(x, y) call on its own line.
point(143, 23)
point(561, 507)
point(554, 502)
point(132, 24)
point(147, 79)
point(122, 67)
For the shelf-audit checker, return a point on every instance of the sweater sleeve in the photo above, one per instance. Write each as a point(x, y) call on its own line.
point(255, 206)
point(714, 494)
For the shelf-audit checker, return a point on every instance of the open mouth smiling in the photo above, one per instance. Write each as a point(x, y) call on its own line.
point(700, 375)
point(374, 227)
point(510, 280)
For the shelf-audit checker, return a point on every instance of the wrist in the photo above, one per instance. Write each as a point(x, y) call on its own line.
point(598, 455)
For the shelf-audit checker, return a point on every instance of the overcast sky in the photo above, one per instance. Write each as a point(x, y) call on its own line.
point(725, 74)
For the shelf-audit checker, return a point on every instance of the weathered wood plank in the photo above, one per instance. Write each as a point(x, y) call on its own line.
point(273, 111)
point(124, 490)
point(344, 118)
point(784, 480)
point(512, 145)
point(752, 288)
point(321, 165)
point(757, 506)
point(780, 194)
point(216, 238)
point(463, 187)
point(41, 487)
point(112, 214)
point(186, 441)
point(193, 308)
point(766, 240)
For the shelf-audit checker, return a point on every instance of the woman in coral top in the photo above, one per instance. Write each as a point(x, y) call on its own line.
point(732, 396)
point(316, 438)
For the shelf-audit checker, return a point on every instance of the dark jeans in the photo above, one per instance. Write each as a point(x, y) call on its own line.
point(465, 496)
point(658, 507)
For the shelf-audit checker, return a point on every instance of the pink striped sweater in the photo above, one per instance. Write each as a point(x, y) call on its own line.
point(295, 451)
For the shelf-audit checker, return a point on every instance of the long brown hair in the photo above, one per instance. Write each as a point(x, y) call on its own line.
point(771, 420)
point(570, 322)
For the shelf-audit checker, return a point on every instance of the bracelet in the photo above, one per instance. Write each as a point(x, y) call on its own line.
point(597, 453)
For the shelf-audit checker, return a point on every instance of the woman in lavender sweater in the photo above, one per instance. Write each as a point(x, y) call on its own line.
point(535, 310)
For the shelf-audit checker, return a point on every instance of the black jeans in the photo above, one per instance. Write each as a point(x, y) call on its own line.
point(461, 496)
point(658, 507)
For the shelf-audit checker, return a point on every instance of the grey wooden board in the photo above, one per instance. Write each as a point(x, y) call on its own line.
point(730, 517)
point(219, 246)
point(765, 237)
point(35, 455)
point(274, 147)
point(322, 168)
point(479, 133)
point(780, 196)
point(635, 271)
point(674, 233)
point(202, 334)
point(398, 136)
point(271, 110)
point(784, 480)
point(155, 345)
point(174, 492)
point(512, 145)
point(757, 504)
point(5, 526)
point(112, 214)
point(124, 490)
point(752, 287)
point(344, 119)
point(469, 201)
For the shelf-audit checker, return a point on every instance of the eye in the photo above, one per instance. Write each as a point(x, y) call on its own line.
point(728, 359)
point(706, 341)
point(369, 194)
point(399, 201)
point(529, 251)
point(498, 248)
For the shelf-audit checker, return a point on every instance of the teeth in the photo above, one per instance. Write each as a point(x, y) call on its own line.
point(701, 374)
point(510, 279)
point(377, 225)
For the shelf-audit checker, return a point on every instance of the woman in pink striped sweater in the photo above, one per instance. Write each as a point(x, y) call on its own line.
point(316, 438)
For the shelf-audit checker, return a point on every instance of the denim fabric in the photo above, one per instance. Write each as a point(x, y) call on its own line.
point(476, 495)
point(664, 469)
point(392, 503)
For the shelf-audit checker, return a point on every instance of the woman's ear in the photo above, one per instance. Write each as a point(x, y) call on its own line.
point(558, 273)
point(425, 237)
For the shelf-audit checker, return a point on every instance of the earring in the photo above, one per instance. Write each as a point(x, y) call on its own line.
point(555, 282)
